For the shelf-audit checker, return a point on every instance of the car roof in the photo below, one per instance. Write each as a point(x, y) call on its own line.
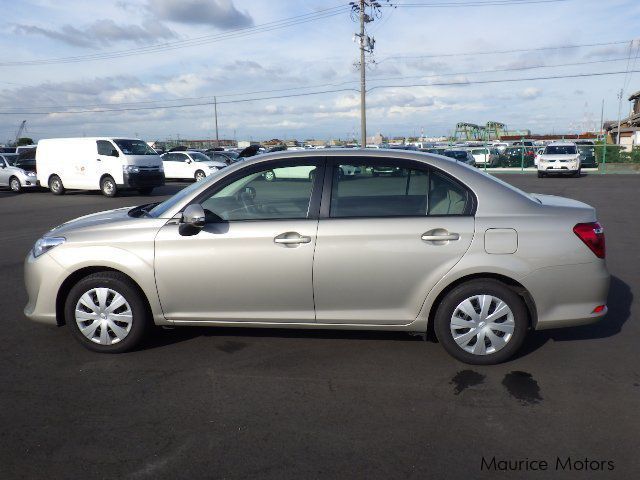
point(561, 144)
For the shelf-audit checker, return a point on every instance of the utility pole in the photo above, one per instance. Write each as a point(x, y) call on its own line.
point(619, 113)
point(215, 112)
point(363, 81)
point(366, 11)
point(602, 118)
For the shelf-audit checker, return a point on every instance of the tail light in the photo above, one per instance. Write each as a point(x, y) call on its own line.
point(592, 234)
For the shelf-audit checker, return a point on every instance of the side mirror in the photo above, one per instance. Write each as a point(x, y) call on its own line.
point(193, 219)
point(114, 153)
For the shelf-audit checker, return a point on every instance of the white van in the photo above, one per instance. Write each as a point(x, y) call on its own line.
point(98, 163)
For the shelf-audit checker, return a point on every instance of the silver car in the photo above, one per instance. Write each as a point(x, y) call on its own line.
point(17, 177)
point(439, 245)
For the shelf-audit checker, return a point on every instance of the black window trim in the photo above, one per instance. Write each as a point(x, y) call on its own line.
point(325, 205)
point(316, 189)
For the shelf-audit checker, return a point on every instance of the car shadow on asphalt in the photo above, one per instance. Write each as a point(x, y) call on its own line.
point(165, 337)
point(619, 304)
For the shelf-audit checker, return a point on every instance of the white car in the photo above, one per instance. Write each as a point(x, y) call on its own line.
point(291, 173)
point(539, 151)
point(559, 158)
point(16, 178)
point(189, 165)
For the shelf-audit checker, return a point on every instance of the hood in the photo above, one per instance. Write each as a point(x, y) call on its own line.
point(102, 218)
point(142, 160)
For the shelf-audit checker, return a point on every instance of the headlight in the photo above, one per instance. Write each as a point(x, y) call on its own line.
point(130, 169)
point(45, 244)
point(31, 174)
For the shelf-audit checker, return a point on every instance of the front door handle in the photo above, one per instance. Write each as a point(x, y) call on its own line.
point(440, 238)
point(291, 238)
point(98, 160)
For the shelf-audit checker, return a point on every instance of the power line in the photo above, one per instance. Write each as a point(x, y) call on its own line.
point(246, 100)
point(190, 42)
point(325, 85)
point(496, 52)
point(507, 80)
point(477, 3)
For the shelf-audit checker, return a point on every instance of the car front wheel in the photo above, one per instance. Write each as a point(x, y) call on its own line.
point(106, 313)
point(15, 185)
point(199, 176)
point(481, 322)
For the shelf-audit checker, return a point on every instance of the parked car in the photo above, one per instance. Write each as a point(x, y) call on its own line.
point(98, 163)
point(485, 156)
point(291, 172)
point(516, 156)
point(447, 246)
point(587, 156)
point(189, 165)
point(226, 157)
point(24, 148)
point(559, 158)
point(464, 156)
point(17, 177)
point(539, 151)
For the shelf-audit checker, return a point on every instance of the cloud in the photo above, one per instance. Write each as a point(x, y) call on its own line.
point(102, 33)
point(531, 93)
point(219, 13)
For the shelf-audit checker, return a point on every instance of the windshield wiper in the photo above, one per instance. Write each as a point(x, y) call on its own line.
point(142, 210)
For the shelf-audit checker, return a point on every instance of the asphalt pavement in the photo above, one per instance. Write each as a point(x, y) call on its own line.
point(240, 403)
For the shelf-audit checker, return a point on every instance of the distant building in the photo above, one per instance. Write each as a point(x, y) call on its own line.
point(247, 143)
point(376, 139)
point(629, 135)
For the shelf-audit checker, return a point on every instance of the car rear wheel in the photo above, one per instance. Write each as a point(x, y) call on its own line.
point(106, 313)
point(481, 322)
point(56, 186)
point(540, 174)
point(108, 187)
point(269, 176)
point(15, 185)
point(199, 176)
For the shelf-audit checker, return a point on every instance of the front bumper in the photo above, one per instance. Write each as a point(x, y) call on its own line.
point(43, 277)
point(143, 179)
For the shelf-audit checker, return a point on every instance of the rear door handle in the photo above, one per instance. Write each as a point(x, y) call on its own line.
point(291, 238)
point(441, 238)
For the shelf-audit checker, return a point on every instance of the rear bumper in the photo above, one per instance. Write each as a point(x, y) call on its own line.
point(143, 179)
point(566, 295)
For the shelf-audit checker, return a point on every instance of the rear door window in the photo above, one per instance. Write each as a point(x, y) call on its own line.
point(390, 190)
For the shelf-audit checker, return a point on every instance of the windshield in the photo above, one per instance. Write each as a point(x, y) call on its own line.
point(199, 157)
point(10, 158)
point(457, 154)
point(134, 147)
point(560, 150)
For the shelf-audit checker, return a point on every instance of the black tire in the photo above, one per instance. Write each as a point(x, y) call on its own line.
point(269, 176)
point(15, 185)
point(121, 284)
point(481, 287)
point(540, 174)
point(108, 187)
point(145, 190)
point(199, 175)
point(55, 185)
point(578, 173)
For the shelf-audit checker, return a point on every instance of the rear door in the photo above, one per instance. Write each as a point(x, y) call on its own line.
point(385, 241)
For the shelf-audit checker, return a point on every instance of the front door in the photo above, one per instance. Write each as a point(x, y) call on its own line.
point(253, 259)
point(387, 241)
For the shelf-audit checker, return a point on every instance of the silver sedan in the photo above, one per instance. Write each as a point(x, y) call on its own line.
point(17, 178)
point(437, 246)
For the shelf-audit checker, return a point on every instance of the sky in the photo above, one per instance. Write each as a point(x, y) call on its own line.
point(142, 54)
